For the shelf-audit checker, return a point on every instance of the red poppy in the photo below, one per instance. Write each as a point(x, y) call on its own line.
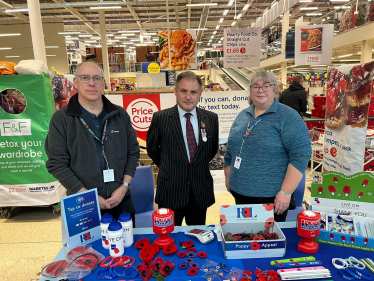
point(158, 263)
point(192, 271)
point(57, 268)
point(269, 222)
point(181, 254)
point(258, 272)
point(147, 253)
point(202, 255)
point(320, 189)
point(335, 179)
point(255, 246)
point(145, 271)
point(343, 238)
point(142, 243)
point(247, 273)
point(268, 207)
point(347, 189)
point(167, 268)
point(332, 188)
point(223, 220)
point(225, 206)
point(106, 242)
point(274, 279)
point(170, 249)
point(187, 244)
point(331, 235)
point(366, 240)
point(268, 234)
point(191, 250)
point(360, 194)
point(155, 248)
point(260, 237)
point(272, 273)
point(365, 182)
point(353, 239)
point(245, 279)
point(116, 250)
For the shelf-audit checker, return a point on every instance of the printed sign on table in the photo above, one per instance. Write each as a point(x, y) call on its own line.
point(348, 92)
point(242, 47)
point(313, 44)
point(80, 214)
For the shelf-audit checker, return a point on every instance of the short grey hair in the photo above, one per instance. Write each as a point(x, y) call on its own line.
point(190, 76)
point(79, 66)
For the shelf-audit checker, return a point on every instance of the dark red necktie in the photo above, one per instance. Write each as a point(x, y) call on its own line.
point(191, 141)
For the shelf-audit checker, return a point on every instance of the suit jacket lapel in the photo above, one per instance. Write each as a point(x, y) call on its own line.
point(201, 118)
point(177, 129)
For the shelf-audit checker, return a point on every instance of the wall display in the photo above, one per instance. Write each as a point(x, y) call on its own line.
point(242, 47)
point(313, 44)
point(183, 52)
point(348, 92)
point(80, 214)
point(26, 108)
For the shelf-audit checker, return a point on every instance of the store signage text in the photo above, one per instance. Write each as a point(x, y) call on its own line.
point(15, 127)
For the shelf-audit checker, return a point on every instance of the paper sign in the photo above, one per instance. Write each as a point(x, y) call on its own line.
point(80, 215)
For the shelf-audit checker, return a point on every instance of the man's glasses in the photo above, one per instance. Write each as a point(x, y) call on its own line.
point(265, 88)
point(86, 78)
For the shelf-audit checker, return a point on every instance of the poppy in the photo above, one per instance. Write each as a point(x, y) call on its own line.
point(87, 261)
point(258, 272)
point(274, 279)
point(147, 253)
point(183, 265)
point(191, 250)
point(202, 255)
point(223, 220)
point(260, 237)
point(255, 246)
point(225, 206)
point(158, 263)
point(142, 243)
point(155, 248)
point(187, 244)
point(268, 207)
point(169, 250)
point(191, 255)
point(57, 268)
point(181, 254)
point(167, 268)
point(269, 222)
point(145, 271)
point(272, 273)
point(245, 279)
point(247, 273)
point(192, 271)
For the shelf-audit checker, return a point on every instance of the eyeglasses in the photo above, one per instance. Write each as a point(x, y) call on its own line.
point(265, 88)
point(86, 78)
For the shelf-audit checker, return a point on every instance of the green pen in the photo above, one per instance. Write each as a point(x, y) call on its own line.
point(294, 260)
point(367, 265)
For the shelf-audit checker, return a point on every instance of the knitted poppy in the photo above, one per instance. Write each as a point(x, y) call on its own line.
point(274, 279)
point(191, 254)
point(272, 273)
point(155, 248)
point(187, 244)
point(142, 243)
point(202, 255)
point(191, 250)
point(183, 265)
point(167, 268)
point(255, 246)
point(192, 271)
point(245, 279)
point(258, 272)
point(147, 253)
point(247, 273)
point(181, 254)
point(158, 263)
point(57, 268)
point(145, 271)
point(169, 250)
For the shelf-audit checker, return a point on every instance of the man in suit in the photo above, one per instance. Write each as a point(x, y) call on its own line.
point(181, 141)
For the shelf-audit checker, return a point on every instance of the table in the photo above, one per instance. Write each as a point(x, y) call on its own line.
point(215, 253)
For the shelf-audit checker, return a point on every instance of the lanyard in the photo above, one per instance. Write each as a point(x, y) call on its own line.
point(249, 130)
point(104, 137)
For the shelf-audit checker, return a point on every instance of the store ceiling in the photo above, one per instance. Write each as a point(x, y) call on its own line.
point(151, 16)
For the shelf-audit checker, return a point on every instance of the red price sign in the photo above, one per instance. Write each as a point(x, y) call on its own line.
point(232, 51)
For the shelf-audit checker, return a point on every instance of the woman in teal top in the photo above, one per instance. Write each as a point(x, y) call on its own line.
point(268, 149)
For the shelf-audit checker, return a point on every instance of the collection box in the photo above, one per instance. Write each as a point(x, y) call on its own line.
point(237, 219)
point(346, 196)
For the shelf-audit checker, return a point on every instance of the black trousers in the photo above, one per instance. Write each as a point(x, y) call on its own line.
point(191, 212)
point(125, 206)
point(242, 199)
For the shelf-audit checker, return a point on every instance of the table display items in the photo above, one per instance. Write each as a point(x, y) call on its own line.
point(204, 236)
point(104, 224)
point(369, 263)
point(163, 225)
point(351, 268)
point(293, 260)
point(308, 227)
point(115, 237)
point(128, 235)
point(304, 273)
point(79, 262)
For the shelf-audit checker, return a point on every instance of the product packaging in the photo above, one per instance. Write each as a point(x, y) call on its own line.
point(105, 221)
point(311, 40)
point(115, 237)
point(128, 235)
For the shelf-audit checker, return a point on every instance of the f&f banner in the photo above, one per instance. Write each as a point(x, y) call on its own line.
point(26, 108)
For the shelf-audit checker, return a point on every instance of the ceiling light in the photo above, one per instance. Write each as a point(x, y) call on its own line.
point(129, 31)
point(233, 23)
point(343, 56)
point(225, 12)
point(200, 42)
point(12, 56)
point(137, 45)
point(239, 16)
point(114, 40)
point(98, 46)
point(122, 37)
point(155, 39)
point(110, 34)
point(358, 53)
point(216, 44)
point(210, 40)
point(51, 47)
point(69, 42)
point(96, 38)
point(246, 7)
point(314, 14)
point(70, 32)
point(258, 18)
point(50, 55)
point(73, 38)
point(215, 31)
point(202, 4)
point(207, 49)
point(221, 20)
point(197, 28)
point(105, 7)
point(230, 3)
point(309, 8)
point(127, 43)
point(109, 43)
point(349, 60)
point(208, 44)
point(212, 36)
point(15, 10)
point(85, 35)
point(306, 1)
point(135, 40)
point(339, 0)
point(150, 33)
point(218, 26)
point(9, 34)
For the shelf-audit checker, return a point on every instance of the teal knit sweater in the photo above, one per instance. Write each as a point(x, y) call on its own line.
point(279, 139)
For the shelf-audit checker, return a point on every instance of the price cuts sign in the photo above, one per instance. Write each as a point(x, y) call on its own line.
point(242, 47)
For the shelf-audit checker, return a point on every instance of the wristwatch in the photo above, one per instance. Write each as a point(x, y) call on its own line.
point(128, 185)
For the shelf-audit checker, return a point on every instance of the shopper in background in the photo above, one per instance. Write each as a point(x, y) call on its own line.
point(181, 141)
point(114, 60)
point(295, 95)
point(268, 149)
point(92, 144)
point(90, 57)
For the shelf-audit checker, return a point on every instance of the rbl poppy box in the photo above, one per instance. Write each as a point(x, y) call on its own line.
point(249, 231)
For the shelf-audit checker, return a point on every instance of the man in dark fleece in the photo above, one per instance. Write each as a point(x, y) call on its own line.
point(295, 95)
